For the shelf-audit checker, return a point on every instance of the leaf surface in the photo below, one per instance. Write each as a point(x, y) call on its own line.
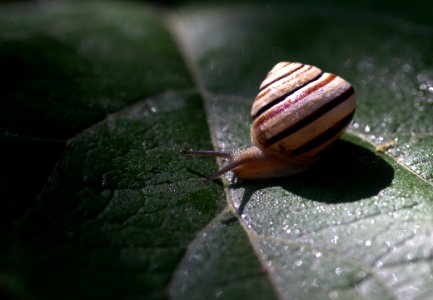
point(358, 224)
point(100, 103)
point(99, 98)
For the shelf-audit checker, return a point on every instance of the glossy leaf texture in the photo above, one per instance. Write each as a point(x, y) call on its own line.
point(359, 224)
point(96, 203)
point(97, 99)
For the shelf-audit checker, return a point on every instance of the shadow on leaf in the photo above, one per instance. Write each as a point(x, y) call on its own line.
point(345, 173)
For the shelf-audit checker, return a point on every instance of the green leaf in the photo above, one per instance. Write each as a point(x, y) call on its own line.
point(97, 100)
point(119, 209)
point(387, 59)
point(116, 106)
point(359, 224)
point(63, 68)
point(219, 265)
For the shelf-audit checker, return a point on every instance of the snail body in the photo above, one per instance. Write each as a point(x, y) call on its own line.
point(299, 111)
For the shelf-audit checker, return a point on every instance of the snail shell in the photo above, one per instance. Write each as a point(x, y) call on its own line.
point(299, 111)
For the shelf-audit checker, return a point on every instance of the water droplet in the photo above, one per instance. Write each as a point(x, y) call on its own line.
point(420, 108)
point(314, 283)
point(338, 271)
point(333, 295)
point(218, 293)
point(367, 129)
point(368, 243)
point(335, 239)
point(298, 263)
point(421, 77)
point(407, 68)
point(409, 256)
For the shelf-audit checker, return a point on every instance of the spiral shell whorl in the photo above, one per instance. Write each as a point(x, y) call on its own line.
point(300, 110)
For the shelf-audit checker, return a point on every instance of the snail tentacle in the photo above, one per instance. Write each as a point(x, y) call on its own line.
point(299, 111)
point(209, 153)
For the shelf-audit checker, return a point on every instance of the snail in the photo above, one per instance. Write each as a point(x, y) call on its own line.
point(299, 111)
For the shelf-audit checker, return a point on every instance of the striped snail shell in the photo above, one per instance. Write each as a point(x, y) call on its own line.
point(299, 111)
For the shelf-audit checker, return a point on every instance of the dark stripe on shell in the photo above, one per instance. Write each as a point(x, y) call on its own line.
point(281, 98)
point(276, 111)
point(283, 76)
point(325, 136)
point(312, 116)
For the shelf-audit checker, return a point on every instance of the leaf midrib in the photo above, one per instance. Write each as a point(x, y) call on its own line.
point(171, 19)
